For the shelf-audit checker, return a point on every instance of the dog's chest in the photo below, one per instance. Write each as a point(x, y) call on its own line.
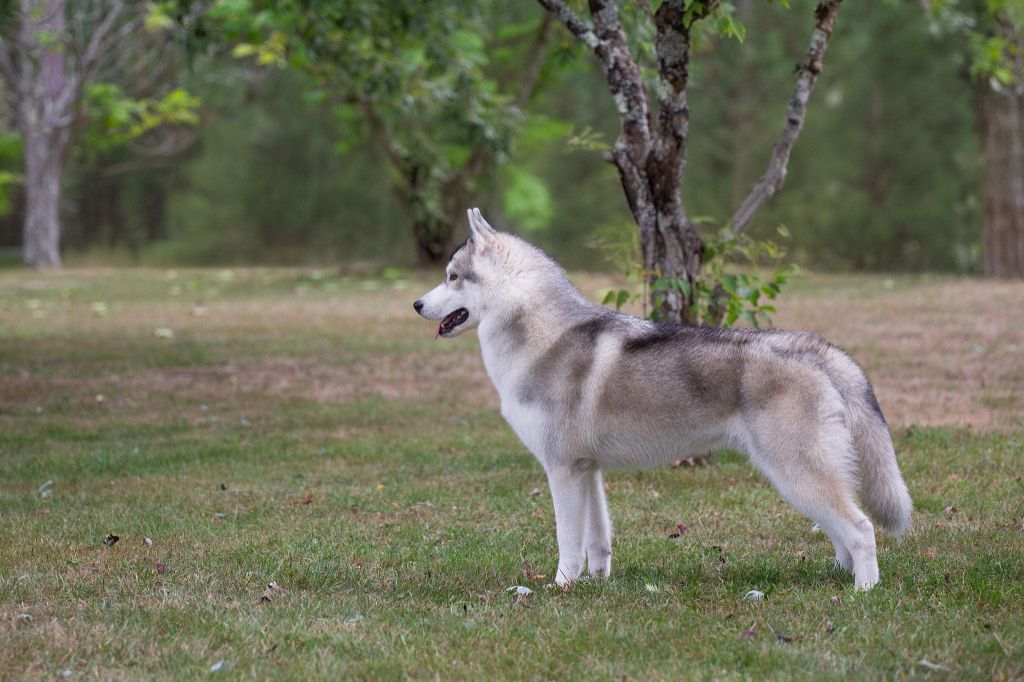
point(530, 420)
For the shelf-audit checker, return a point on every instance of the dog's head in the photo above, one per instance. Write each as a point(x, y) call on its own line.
point(475, 269)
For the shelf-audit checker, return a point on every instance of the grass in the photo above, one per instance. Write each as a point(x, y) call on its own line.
point(302, 428)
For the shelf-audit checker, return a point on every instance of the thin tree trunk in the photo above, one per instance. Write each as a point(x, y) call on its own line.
point(1001, 124)
point(43, 168)
point(44, 120)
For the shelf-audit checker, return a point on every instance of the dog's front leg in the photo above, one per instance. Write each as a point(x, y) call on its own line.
point(597, 532)
point(569, 491)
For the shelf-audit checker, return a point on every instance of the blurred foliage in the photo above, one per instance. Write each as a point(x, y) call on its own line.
point(729, 287)
point(10, 161)
point(115, 119)
point(416, 77)
point(285, 167)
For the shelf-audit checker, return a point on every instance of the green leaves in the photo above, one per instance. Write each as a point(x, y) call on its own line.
point(721, 294)
point(527, 202)
point(115, 119)
point(619, 298)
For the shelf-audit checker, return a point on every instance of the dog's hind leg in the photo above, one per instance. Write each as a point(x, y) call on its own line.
point(825, 499)
point(570, 487)
point(597, 530)
point(809, 472)
point(844, 559)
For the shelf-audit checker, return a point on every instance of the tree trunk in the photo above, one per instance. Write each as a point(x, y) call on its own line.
point(44, 153)
point(669, 243)
point(433, 239)
point(1001, 125)
point(44, 120)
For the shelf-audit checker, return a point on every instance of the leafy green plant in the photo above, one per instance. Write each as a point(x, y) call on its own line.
point(729, 288)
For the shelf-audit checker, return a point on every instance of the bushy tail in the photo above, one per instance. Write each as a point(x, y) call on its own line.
point(882, 489)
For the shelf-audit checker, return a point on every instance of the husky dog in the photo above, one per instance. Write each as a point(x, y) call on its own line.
point(586, 388)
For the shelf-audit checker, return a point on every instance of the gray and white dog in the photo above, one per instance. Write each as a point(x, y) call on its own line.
point(586, 388)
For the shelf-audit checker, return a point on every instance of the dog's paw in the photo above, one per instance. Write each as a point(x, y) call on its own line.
point(599, 563)
point(565, 577)
point(865, 584)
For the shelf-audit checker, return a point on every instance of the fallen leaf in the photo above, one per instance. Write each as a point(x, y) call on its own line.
point(44, 489)
point(148, 541)
point(830, 627)
point(749, 632)
point(219, 665)
point(308, 499)
point(520, 590)
point(949, 510)
point(783, 638)
point(535, 492)
point(930, 554)
point(835, 601)
point(680, 529)
point(754, 595)
point(110, 539)
point(23, 618)
point(650, 587)
point(163, 333)
point(925, 663)
point(161, 569)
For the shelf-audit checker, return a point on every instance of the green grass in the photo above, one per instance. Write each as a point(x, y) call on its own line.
point(393, 521)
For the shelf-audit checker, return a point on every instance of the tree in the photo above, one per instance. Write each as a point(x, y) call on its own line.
point(417, 78)
point(998, 67)
point(51, 52)
point(650, 151)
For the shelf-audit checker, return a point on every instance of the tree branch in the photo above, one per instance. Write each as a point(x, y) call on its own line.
point(807, 75)
point(98, 41)
point(625, 82)
point(579, 28)
point(535, 62)
point(379, 133)
point(672, 46)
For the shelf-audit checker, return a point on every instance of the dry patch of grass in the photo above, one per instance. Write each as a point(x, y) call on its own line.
point(940, 351)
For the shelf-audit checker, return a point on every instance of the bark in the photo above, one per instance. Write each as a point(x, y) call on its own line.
point(649, 155)
point(1001, 128)
point(44, 166)
point(1001, 122)
point(45, 122)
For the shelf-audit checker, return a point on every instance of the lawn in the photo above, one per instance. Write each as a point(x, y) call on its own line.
point(237, 429)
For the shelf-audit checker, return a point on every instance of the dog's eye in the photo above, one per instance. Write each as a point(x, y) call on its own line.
point(452, 277)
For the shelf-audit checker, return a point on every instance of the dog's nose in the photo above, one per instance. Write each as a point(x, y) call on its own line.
point(418, 305)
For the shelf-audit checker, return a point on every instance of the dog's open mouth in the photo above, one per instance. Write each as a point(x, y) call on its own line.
point(451, 321)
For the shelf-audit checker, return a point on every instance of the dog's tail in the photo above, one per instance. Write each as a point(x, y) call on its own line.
point(882, 489)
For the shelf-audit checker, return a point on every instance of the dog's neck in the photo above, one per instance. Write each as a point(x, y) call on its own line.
point(511, 341)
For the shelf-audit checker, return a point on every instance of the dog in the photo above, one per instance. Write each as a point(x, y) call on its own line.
point(586, 388)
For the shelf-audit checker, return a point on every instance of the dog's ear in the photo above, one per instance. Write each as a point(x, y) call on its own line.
point(480, 232)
